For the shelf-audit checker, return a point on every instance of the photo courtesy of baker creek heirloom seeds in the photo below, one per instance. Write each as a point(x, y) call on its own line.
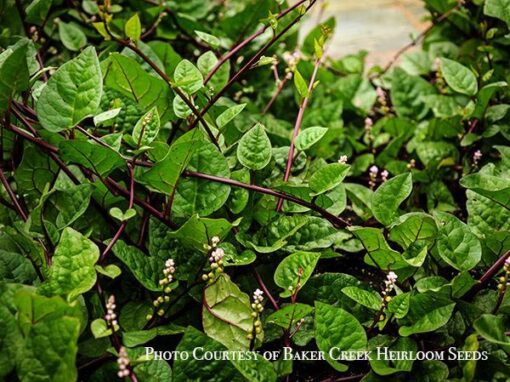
point(222, 191)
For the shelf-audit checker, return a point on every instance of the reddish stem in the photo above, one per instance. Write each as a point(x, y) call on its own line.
point(297, 127)
point(335, 220)
point(248, 66)
point(19, 209)
point(241, 45)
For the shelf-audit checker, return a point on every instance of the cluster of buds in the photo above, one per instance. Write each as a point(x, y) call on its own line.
point(123, 362)
point(368, 130)
point(111, 316)
point(389, 283)
point(411, 164)
point(257, 309)
point(477, 155)
point(343, 159)
point(440, 81)
point(384, 175)
point(291, 59)
point(168, 272)
point(372, 176)
point(382, 101)
point(503, 280)
point(215, 260)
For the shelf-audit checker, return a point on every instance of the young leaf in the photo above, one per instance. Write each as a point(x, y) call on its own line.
point(229, 114)
point(300, 84)
point(188, 77)
point(106, 118)
point(458, 77)
point(328, 177)
point(133, 28)
point(388, 197)
point(72, 270)
point(254, 149)
point(294, 271)
point(72, 93)
point(209, 39)
point(147, 128)
point(310, 136)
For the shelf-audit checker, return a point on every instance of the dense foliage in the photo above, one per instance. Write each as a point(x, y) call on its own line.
point(193, 175)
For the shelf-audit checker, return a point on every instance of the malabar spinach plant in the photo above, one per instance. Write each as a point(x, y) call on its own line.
point(183, 175)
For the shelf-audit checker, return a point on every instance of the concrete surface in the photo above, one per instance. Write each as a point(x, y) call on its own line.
point(380, 27)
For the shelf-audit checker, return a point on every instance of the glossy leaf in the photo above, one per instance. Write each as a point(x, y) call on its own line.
point(254, 149)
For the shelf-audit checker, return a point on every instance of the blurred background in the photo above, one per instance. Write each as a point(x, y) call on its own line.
point(381, 27)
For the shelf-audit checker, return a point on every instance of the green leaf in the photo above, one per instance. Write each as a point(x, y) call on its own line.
point(406, 93)
point(181, 109)
point(456, 244)
point(412, 227)
point(133, 28)
point(122, 216)
point(72, 93)
point(369, 298)
point(13, 73)
point(188, 77)
point(197, 231)
point(16, 268)
point(254, 150)
point(490, 184)
point(72, 271)
point(112, 271)
point(300, 84)
point(200, 196)
point(37, 11)
point(206, 62)
point(379, 253)
point(239, 197)
point(328, 177)
point(148, 270)
point(99, 328)
point(294, 271)
point(147, 128)
point(399, 305)
point(71, 35)
point(388, 197)
point(275, 235)
point(126, 76)
point(163, 176)
point(335, 327)
point(499, 9)
point(106, 118)
point(310, 136)
point(388, 366)
point(428, 315)
point(101, 160)
point(140, 337)
point(492, 328)
point(458, 77)
point(229, 114)
point(50, 351)
point(209, 39)
point(289, 315)
point(226, 314)
point(202, 368)
point(11, 341)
